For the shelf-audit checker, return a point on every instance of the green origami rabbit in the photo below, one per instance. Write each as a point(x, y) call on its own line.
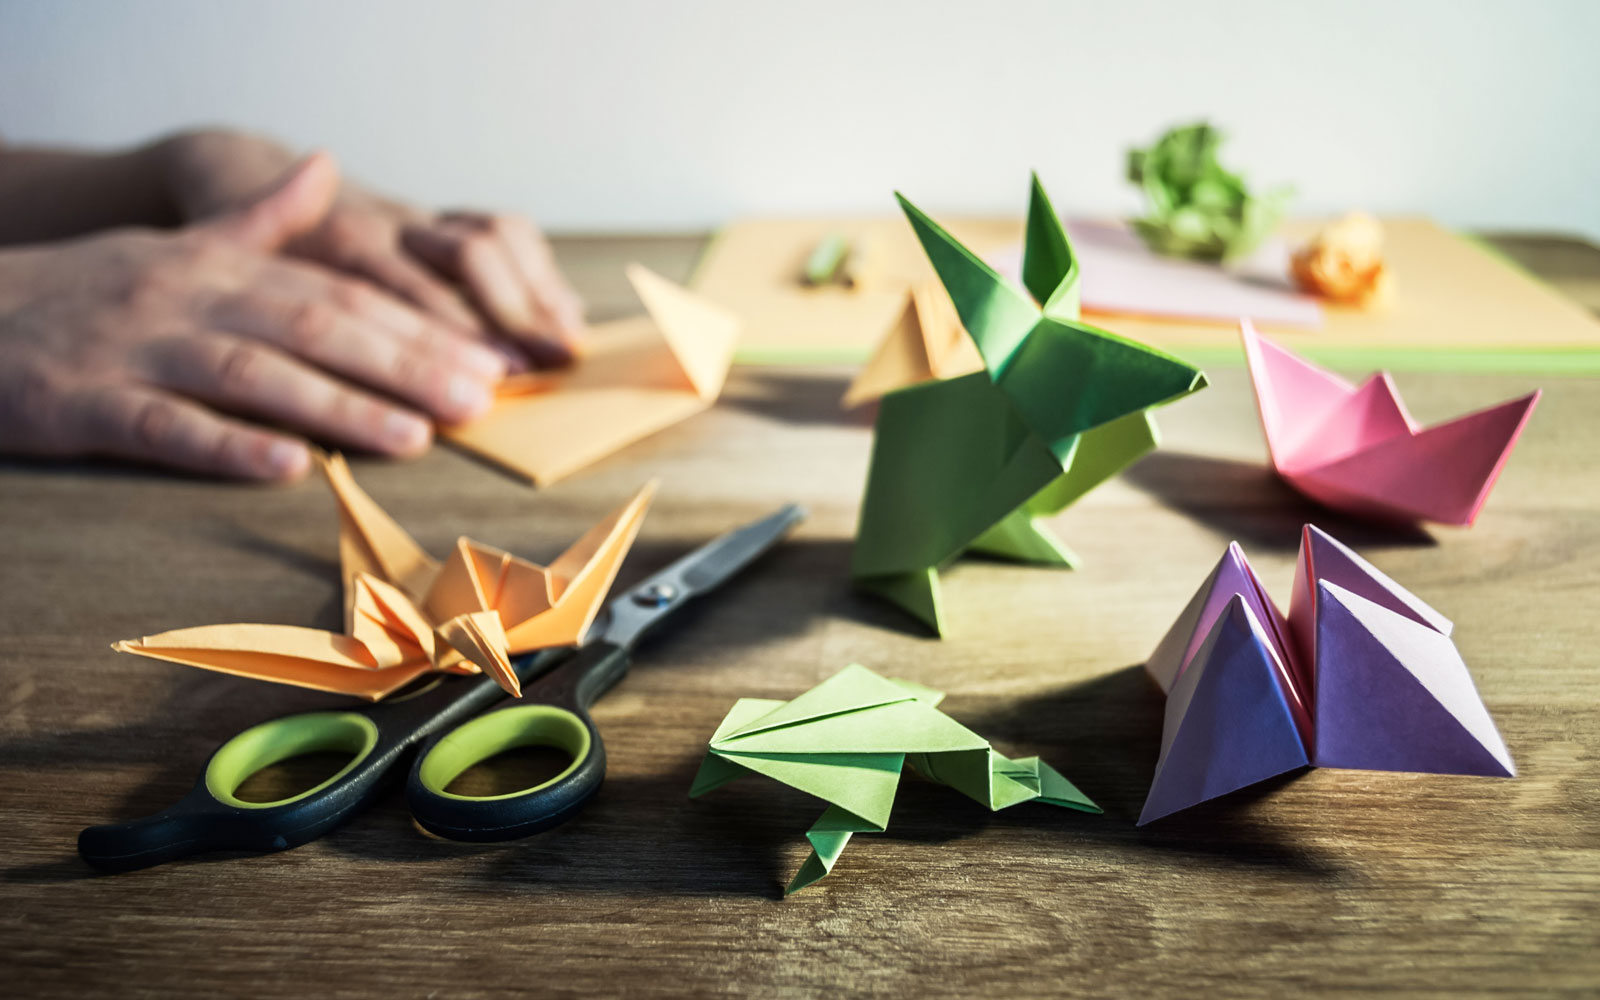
point(973, 463)
point(847, 740)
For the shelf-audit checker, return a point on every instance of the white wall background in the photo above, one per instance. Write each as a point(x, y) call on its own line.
point(639, 115)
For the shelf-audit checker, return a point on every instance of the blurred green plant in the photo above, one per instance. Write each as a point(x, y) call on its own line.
point(1197, 208)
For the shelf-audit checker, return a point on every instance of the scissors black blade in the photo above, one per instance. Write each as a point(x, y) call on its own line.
point(631, 615)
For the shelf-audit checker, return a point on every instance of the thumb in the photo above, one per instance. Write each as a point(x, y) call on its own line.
point(292, 206)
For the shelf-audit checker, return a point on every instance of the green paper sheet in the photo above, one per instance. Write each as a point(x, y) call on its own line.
point(847, 740)
point(976, 462)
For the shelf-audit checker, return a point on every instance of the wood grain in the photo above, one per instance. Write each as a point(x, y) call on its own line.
point(1332, 881)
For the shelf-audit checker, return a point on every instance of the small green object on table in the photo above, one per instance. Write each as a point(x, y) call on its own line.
point(825, 259)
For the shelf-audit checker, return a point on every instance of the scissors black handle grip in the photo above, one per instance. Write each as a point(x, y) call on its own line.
point(213, 818)
point(552, 712)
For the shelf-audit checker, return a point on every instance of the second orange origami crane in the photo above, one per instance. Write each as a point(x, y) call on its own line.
point(407, 614)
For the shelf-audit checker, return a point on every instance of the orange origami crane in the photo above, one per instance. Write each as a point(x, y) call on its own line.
point(928, 342)
point(407, 614)
point(1355, 448)
point(639, 376)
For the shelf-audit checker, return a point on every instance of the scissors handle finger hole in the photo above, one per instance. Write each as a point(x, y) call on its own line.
point(346, 733)
point(490, 735)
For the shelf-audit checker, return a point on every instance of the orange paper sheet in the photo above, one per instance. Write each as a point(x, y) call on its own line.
point(639, 376)
point(407, 614)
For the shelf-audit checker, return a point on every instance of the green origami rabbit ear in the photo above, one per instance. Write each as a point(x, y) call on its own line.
point(1049, 269)
point(995, 312)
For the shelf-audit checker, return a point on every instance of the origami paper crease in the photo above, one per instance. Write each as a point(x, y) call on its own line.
point(974, 462)
point(407, 614)
point(1355, 448)
point(1360, 674)
point(639, 376)
point(847, 740)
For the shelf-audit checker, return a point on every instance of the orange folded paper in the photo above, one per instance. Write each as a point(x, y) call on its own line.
point(407, 614)
point(926, 343)
point(639, 376)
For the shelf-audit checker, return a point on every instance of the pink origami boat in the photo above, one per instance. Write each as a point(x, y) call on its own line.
point(1356, 449)
point(1361, 674)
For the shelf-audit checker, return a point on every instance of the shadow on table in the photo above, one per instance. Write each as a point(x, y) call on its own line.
point(796, 397)
point(1248, 502)
point(645, 836)
point(1104, 735)
point(747, 838)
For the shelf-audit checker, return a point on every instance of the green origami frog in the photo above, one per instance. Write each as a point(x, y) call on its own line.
point(1197, 208)
point(846, 741)
point(973, 463)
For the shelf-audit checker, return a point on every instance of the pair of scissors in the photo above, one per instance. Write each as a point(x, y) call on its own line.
point(447, 719)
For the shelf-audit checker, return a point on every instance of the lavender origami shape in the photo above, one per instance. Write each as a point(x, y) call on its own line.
point(1361, 674)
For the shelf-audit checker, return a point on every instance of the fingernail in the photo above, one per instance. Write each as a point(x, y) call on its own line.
point(405, 433)
point(515, 360)
point(484, 361)
point(467, 397)
point(288, 459)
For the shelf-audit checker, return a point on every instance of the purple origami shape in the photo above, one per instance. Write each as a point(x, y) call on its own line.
point(1361, 674)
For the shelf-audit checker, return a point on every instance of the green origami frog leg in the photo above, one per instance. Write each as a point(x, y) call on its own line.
point(1023, 537)
point(917, 592)
point(997, 782)
point(828, 836)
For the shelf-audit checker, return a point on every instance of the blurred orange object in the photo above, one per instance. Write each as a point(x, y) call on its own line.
point(1344, 263)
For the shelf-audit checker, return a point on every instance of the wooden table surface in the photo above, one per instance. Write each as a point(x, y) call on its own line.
point(1334, 881)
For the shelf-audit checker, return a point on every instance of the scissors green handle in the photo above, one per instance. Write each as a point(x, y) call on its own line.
point(212, 817)
point(553, 712)
point(558, 686)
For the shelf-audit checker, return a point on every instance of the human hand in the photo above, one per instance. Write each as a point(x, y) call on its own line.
point(153, 345)
point(500, 262)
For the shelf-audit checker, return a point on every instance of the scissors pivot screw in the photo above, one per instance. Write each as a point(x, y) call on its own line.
point(657, 595)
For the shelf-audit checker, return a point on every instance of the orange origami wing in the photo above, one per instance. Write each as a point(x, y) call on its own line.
point(580, 578)
point(370, 541)
point(287, 654)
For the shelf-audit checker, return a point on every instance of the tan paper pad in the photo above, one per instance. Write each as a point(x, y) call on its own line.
point(1451, 296)
point(639, 376)
point(753, 268)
